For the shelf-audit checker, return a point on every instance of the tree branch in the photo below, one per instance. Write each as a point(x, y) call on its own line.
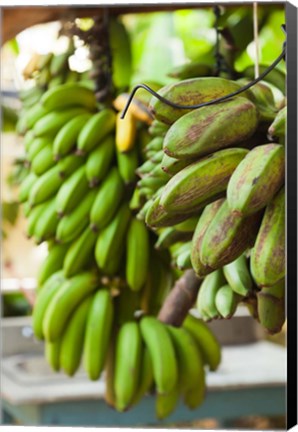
point(180, 299)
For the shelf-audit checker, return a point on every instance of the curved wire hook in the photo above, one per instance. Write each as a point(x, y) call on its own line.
point(221, 99)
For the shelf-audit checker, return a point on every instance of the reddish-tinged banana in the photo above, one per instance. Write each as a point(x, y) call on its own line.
point(267, 261)
point(189, 92)
point(227, 237)
point(201, 182)
point(202, 225)
point(204, 130)
point(256, 179)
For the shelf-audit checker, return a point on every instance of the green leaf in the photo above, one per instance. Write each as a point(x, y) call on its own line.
point(157, 49)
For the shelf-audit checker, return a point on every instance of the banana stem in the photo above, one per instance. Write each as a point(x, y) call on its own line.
point(180, 299)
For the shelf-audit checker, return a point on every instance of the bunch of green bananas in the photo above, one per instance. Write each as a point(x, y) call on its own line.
point(102, 266)
point(214, 191)
point(46, 71)
point(80, 321)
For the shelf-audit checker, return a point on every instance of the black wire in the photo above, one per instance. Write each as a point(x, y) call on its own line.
point(221, 99)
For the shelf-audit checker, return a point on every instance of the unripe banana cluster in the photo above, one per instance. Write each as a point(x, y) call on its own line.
point(102, 266)
point(125, 204)
point(46, 71)
point(215, 194)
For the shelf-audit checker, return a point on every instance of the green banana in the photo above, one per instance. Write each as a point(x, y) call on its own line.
point(146, 377)
point(206, 340)
point(189, 358)
point(151, 183)
point(55, 81)
point(154, 145)
point(28, 140)
point(98, 332)
point(256, 179)
point(204, 130)
point(72, 341)
point(121, 54)
point(156, 216)
point(183, 261)
point(108, 199)
point(66, 138)
point(69, 164)
point(33, 114)
point(145, 168)
point(52, 122)
point(267, 261)
point(37, 145)
point(202, 225)
point(52, 354)
point(195, 396)
point(188, 226)
point(158, 128)
point(21, 127)
point(207, 293)
point(72, 191)
point(33, 218)
point(46, 186)
point(226, 301)
point(109, 394)
point(67, 95)
point(227, 237)
point(51, 264)
point(278, 126)
point(71, 293)
point(137, 254)
point(172, 166)
point(99, 161)
point(160, 346)
point(238, 276)
point(79, 252)
point(96, 128)
point(137, 200)
point(43, 161)
point(189, 92)
point(169, 236)
point(201, 182)
point(271, 307)
point(45, 227)
point(47, 292)
point(71, 225)
point(127, 363)
point(165, 404)
point(110, 243)
point(157, 158)
point(128, 164)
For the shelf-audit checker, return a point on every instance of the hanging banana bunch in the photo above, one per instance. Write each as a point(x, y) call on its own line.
point(126, 205)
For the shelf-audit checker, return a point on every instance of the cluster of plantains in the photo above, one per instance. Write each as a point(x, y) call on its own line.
point(217, 195)
point(126, 205)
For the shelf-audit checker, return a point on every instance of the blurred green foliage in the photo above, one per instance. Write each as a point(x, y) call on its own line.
point(163, 40)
